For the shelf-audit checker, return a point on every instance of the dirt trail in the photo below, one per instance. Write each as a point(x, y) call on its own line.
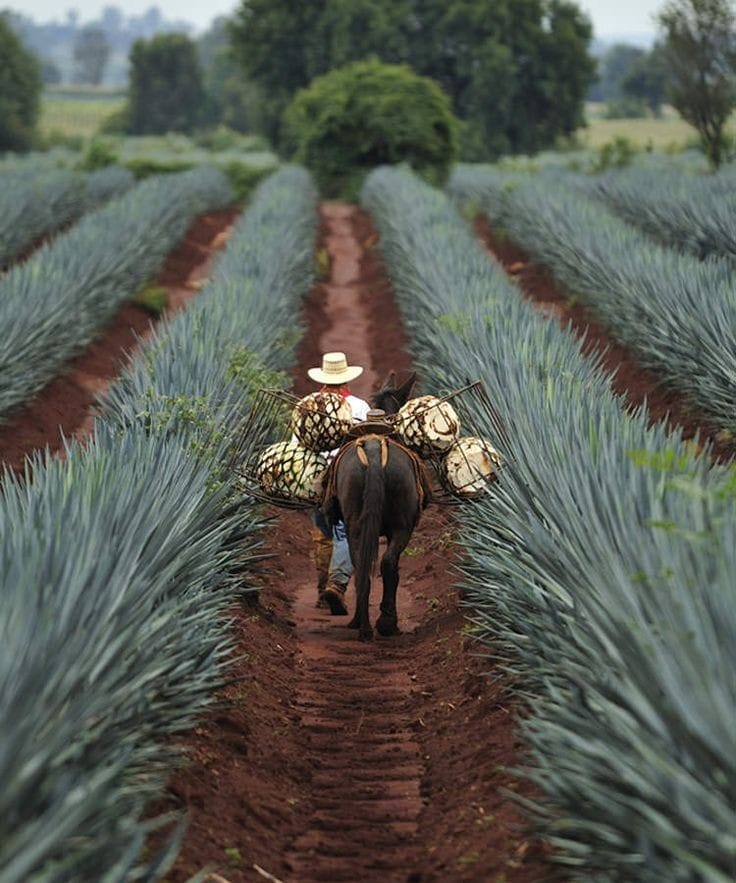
point(354, 703)
point(65, 406)
point(333, 760)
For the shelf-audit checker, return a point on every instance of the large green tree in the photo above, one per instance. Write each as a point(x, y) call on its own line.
point(20, 91)
point(700, 50)
point(516, 70)
point(166, 92)
point(283, 45)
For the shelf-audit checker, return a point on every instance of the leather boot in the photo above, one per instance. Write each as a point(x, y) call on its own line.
point(334, 595)
point(322, 555)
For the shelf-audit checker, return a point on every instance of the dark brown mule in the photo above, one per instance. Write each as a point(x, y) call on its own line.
point(378, 489)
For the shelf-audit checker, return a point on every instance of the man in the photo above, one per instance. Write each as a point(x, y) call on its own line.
point(331, 553)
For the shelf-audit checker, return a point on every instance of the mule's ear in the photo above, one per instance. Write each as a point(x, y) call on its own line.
point(404, 391)
point(389, 382)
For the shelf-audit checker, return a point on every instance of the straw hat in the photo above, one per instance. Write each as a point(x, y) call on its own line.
point(335, 370)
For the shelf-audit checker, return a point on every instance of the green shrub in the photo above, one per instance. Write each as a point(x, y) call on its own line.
point(245, 178)
point(369, 114)
point(615, 154)
point(98, 155)
point(144, 168)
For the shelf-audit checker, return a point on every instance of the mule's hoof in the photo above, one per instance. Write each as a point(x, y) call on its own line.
point(365, 635)
point(335, 600)
point(387, 627)
point(354, 624)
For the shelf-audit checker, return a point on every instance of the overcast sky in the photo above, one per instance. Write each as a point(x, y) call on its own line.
point(610, 17)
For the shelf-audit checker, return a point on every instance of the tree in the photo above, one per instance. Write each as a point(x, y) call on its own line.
point(91, 52)
point(20, 91)
point(646, 80)
point(700, 50)
point(165, 92)
point(283, 45)
point(613, 68)
point(516, 70)
point(368, 114)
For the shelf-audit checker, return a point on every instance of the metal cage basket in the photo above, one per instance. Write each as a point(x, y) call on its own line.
point(273, 464)
point(463, 461)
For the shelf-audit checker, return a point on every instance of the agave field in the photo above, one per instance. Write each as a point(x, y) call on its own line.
point(120, 643)
point(55, 303)
point(596, 578)
point(36, 203)
point(678, 313)
point(604, 564)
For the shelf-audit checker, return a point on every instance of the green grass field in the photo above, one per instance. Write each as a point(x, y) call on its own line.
point(668, 132)
point(78, 112)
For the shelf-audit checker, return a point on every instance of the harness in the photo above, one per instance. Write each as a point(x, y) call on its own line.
point(358, 444)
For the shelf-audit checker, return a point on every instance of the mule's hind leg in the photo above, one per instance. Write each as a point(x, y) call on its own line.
point(387, 622)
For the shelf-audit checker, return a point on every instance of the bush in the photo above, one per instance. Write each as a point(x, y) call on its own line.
point(98, 155)
point(625, 109)
point(20, 91)
point(245, 178)
point(369, 114)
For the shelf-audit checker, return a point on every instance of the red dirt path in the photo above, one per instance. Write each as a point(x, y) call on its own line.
point(333, 760)
point(64, 408)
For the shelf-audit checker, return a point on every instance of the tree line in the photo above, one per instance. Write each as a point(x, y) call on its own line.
point(516, 71)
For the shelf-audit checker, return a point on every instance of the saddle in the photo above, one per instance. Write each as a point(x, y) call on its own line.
point(383, 433)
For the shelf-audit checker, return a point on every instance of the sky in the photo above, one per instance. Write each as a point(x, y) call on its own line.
point(610, 17)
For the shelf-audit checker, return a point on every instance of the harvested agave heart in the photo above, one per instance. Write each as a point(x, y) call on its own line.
point(469, 465)
point(321, 420)
point(289, 471)
point(428, 425)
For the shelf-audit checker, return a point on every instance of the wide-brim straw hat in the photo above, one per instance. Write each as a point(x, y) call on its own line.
point(335, 370)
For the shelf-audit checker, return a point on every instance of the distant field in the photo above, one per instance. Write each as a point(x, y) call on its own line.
point(77, 112)
point(670, 131)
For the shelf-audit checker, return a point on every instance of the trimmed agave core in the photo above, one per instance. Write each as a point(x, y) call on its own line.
point(470, 464)
point(321, 420)
point(428, 425)
point(292, 472)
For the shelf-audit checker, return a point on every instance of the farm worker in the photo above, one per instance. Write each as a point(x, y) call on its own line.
point(331, 553)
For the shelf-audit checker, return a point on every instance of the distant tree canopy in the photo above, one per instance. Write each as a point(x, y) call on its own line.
point(166, 92)
point(367, 114)
point(614, 66)
point(91, 52)
point(700, 52)
point(646, 79)
point(230, 99)
point(516, 70)
point(20, 91)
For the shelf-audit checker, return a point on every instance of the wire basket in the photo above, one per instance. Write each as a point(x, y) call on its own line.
point(271, 463)
point(462, 459)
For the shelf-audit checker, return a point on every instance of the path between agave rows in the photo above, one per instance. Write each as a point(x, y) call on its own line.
point(332, 760)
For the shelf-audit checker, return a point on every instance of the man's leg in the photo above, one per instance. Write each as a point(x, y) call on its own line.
point(322, 542)
point(341, 569)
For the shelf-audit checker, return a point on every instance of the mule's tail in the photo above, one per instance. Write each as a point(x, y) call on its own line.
point(371, 516)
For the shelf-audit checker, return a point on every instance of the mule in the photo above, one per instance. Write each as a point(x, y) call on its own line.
point(378, 489)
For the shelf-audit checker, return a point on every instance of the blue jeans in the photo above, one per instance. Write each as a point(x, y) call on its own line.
point(341, 567)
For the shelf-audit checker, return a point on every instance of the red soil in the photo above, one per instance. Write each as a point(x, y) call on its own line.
point(628, 378)
point(64, 408)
